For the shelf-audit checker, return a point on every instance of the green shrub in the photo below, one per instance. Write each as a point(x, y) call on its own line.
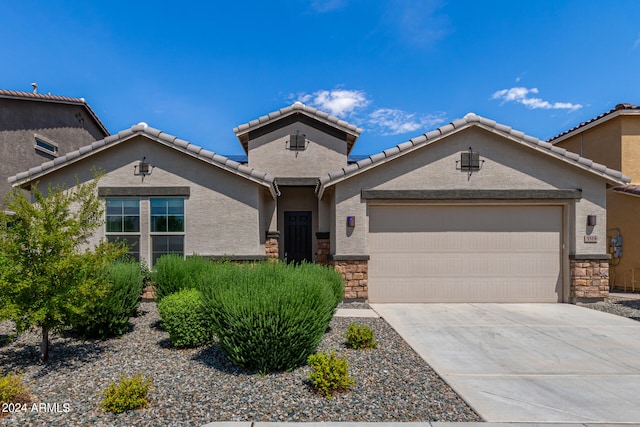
point(110, 316)
point(330, 373)
point(270, 316)
point(360, 337)
point(173, 273)
point(184, 318)
point(12, 390)
point(129, 393)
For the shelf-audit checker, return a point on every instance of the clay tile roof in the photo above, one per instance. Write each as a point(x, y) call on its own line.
point(27, 177)
point(632, 189)
point(40, 97)
point(470, 119)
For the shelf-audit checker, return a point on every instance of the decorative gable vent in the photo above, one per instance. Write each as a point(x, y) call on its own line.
point(297, 142)
point(469, 162)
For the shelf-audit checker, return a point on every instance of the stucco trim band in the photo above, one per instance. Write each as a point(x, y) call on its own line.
point(590, 256)
point(349, 257)
point(470, 194)
point(143, 191)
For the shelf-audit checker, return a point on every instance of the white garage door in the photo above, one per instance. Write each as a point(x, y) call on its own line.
point(465, 253)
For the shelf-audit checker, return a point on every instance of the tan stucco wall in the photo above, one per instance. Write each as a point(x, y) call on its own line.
point(324, 153)
point(221, 213)
point(600, 143)
point(623, 212)
point(630, 149)
point(508, 165)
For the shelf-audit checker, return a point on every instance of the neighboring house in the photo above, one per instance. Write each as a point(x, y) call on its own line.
point(613, 139)
point(35, 128)
point(472, 211)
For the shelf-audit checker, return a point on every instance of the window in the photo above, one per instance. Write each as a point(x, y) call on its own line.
point(167, 227)
point(123, 223)
point(46, 146)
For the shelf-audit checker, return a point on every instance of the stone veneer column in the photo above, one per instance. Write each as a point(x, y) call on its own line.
point(271, 245)
point(589, 277)
point(354, 269)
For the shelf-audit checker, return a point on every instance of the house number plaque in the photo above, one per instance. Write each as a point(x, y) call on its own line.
point(590, 238)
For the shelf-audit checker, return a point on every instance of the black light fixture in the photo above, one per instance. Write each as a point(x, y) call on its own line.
point(351, 221)
point(591, 220)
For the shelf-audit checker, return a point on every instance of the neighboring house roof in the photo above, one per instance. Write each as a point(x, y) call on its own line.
point(620, 109)
point(471, 119)
point(27, 177)
point(631, 189)
point(29, 96)
point(352, 131)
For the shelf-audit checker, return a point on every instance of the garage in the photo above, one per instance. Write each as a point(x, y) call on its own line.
point(465, 253)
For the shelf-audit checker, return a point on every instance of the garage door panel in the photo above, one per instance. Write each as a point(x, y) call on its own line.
point(518, 259)
point(451, 290)
point(459, 241)
point(477, 265)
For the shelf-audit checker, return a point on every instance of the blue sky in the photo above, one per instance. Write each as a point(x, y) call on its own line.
point(395, 68)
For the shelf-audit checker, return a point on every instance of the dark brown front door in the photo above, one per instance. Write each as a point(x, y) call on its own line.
point(297, 236)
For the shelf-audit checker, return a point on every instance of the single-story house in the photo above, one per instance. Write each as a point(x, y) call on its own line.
point(471, 211)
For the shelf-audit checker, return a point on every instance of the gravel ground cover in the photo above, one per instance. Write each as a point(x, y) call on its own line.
point(197, 386)
point(621, 304)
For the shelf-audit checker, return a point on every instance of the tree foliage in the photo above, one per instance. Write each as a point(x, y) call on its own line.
point(51, 273)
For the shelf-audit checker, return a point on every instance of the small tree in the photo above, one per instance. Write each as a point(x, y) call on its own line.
point(51, 274)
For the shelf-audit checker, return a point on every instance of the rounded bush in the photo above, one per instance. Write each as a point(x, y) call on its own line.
point(360, 337)
point(110, 316)
point(129, 393)
point(184, 318)
point(270, 316)
point(330, 374)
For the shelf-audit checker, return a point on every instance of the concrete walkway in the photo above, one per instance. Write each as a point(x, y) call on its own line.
point(548, 363)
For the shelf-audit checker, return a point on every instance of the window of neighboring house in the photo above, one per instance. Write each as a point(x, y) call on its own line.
point(123, 223)
point(46, 146)
point(167, 227)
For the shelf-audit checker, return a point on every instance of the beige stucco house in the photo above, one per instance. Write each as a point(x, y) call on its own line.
point(471, 211)
point(613, 139)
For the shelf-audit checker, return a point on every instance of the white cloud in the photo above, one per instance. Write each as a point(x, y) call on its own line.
point(636, 43)
point(338, 102)
point(522, 96)
point(353, 104)
point(324, 6)
point(392, 121)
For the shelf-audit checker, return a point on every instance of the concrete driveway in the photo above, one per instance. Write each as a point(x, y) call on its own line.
point(529, 362)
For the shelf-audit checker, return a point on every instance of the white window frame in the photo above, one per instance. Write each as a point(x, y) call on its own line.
point(39, 139)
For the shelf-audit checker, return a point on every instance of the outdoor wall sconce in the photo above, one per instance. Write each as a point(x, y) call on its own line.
point(143, 168)
point(591, 220)
point(351, 221)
